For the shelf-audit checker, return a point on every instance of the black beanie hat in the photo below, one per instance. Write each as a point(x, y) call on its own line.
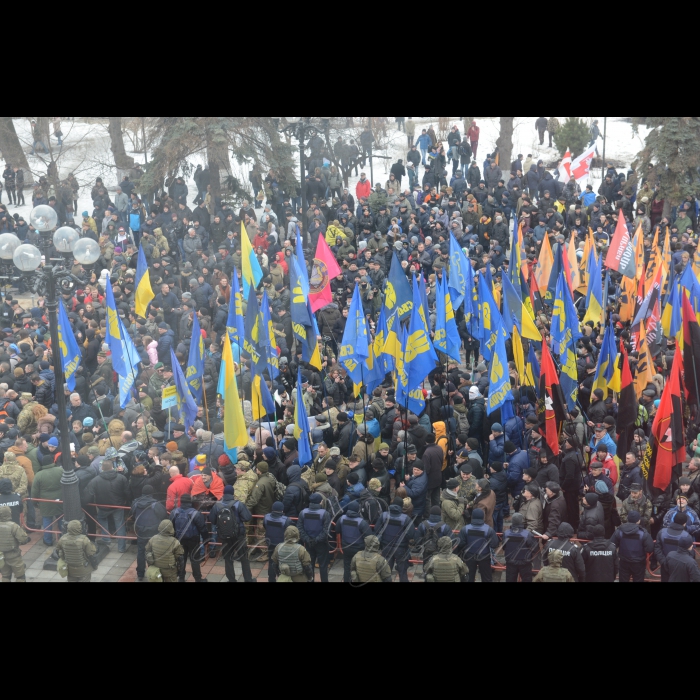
point(509, 448)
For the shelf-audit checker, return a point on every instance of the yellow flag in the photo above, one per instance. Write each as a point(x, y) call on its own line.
point(235, 432)
point(519, 354)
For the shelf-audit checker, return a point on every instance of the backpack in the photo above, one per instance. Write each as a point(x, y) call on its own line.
point(184, 525)
point(430, 546)
point(153, 575)
point(228, 524)
point(280, 491)
point(304, 496)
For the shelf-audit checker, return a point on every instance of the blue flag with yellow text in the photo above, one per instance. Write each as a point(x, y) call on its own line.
point(499, 377)
point(302, 432)
point(195, 362)
point(235, 324)
point(447, 338)
point(253, 334)
point(420, 359)
point(273, 356)
point(68, 347)
point(492, 323)
point(413, 399)
point(397, 291)
point(460, 274)
point(354, 349)
point(185, 403)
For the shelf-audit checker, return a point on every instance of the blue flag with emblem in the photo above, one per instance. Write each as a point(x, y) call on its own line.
point(499, 377)
point(420, 357)
point(131, 360)
point(414, 398)
point(460, 274)
point(273, 361)
point(302, 432)
point(606, 360)
point(195, 362)
point(253, 334)
point(565, 325)
point(185, 403)
point(235, 324)
point(397, 292)
point(354, 349)
point(68, 347)
point(492, 323)
point(447, 338)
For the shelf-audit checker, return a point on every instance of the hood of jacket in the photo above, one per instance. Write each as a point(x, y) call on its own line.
point(291, 535)
point(294, 474)
point(75, 528)
point(556, 558)
point(109, 476)
point(630, 528)
point(445, 545)
point(116, 428)
point(440, 431)
point(166, 528)
point(372, 544)
point(5, 514)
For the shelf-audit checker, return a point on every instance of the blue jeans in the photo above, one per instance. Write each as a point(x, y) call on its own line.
point(49, 524)
point(296, 203)
point(424, 151)
point(118, 516)
point(498, 515)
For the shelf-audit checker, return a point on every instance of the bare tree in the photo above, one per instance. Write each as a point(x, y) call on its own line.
point(11, 147)
point(122, 160)
point(505, 143)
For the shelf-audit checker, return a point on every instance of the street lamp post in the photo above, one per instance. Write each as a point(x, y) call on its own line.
point(301, 128)
point(28, 259)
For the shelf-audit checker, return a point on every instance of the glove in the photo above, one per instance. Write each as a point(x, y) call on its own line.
point(309, 573)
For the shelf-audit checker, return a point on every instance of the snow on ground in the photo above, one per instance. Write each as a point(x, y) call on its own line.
point(86, 151)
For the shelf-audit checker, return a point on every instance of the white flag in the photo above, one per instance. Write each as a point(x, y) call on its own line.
point(565, 168)
point(581, 167)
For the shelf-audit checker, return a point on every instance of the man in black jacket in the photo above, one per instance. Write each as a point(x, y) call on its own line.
point(600, 558)
point(190, 529)
point(346, 435)
point(147, 514)
point(681, 564)
point(110, 489)
point(634, 543)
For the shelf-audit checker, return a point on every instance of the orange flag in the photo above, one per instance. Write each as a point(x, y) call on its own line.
point(543, 269)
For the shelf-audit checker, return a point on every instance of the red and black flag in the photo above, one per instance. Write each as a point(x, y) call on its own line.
point(668, 434)
point(691, 352)
point(628, 406)
point(552, 405)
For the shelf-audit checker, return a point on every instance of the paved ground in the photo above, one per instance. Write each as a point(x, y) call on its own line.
point(121, 568)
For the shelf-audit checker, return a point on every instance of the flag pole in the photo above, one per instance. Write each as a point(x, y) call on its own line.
point(206, 408)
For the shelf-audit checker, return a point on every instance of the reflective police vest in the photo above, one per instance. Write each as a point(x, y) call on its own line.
point(515, 546)
point(392, 529)
point(275, 529)
point(313, 522)
point(631, 546)
point(350, 531)
point(477, 545)
point(670, 544)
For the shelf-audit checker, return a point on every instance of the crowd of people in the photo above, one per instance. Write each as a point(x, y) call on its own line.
point(454, 492)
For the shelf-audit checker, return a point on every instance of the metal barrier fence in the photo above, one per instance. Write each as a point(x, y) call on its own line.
point(101, 534)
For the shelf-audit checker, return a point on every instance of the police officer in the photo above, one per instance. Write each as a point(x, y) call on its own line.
point(395, 532)
point(600, 558)
point(233, 549)
point(9, 498)
point(476, 541)
point(555, 572)
point(633, 545)
point(314, 526)
point(353, 531)
point(520, 547)
point(667, 542)
point(76, 550)
point(573, 561)
point(12, 537)
point(369, 566)
point(445, 567)
point(163, 551)
point(276, 524)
